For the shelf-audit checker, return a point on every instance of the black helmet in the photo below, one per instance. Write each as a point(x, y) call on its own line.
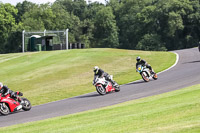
point(138, 58)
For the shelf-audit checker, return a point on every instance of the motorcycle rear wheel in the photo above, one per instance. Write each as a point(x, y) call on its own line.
point(4, 109)
point(101, 90)
point(26, 106)
point(155, 76)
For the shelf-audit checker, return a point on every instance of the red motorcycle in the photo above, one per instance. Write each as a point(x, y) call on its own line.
point(103, 86)
point(8, 104)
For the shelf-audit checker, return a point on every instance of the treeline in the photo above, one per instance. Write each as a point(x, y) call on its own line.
point(128, 24)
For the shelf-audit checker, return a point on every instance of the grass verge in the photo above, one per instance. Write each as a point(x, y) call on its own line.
point(54, 75)
point(176, 111)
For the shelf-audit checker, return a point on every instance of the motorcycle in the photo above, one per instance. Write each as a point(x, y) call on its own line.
point(8, 104)
point(103, 86)
point(145, 73)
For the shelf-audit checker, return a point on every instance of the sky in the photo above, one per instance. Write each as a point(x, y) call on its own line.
point(14, 2)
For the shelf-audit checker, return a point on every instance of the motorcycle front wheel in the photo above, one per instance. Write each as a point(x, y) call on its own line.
point(4, 109)
point(26, 105)
point(144, 77)
point(117, 89)
point(101, 90)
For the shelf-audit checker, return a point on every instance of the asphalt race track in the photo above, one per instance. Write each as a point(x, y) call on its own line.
point(185, 73)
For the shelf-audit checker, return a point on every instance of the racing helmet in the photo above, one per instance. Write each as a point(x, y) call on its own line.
point(1, 85)
point(96, 69)
point(138, 58)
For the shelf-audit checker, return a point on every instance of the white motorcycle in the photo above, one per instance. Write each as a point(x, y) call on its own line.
point(103, 86)
point(145, 73)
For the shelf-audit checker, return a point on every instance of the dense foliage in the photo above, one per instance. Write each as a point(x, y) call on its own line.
point(129, 24)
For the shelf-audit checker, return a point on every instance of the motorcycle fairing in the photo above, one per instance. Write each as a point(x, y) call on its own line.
point(11, 103)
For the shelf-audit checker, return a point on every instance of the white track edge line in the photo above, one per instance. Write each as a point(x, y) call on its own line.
point(177, 59)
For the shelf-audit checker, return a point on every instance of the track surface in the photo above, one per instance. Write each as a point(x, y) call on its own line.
point(185, 73)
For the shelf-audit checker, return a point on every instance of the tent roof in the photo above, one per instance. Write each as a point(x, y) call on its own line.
point(36, 36)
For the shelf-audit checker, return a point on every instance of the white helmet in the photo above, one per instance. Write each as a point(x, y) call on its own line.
point(1, 85)
point(96, 69)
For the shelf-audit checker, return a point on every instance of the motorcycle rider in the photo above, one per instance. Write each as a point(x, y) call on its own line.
point(5, 91)
point(143, 63)
point(100, 74)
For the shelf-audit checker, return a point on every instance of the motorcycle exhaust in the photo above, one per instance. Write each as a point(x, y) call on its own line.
point(18, 108)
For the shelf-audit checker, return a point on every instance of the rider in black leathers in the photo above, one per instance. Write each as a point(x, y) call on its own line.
point(5, 91)
point(143, 63)
point(100, 73)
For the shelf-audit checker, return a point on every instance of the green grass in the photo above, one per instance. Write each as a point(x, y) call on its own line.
point(177, 112)
point(53, 75)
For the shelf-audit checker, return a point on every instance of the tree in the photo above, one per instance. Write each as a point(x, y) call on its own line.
point(92, 10)
point(151, 42)
point(129, 24)
point(87, 27)
point(76, 7)
point(22, 8)
point(130, 30)
point(105, 32)
point(178, 23)
point(14, 41)
point(7, 23)
point(175, 21)
point(39, 18)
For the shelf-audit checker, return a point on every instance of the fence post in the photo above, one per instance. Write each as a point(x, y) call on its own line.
point(23, 41)
point(45, 32)
point(67, 39)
